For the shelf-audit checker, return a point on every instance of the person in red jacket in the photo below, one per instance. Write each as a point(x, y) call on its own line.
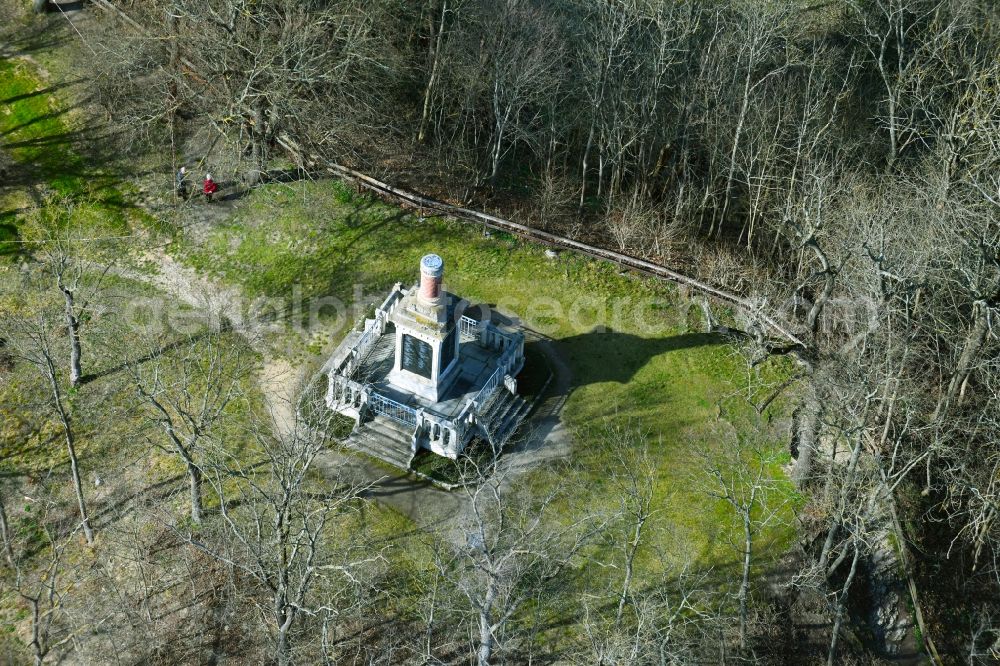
point(210, 187)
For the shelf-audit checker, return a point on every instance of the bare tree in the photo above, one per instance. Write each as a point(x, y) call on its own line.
point(901, 39)
point(278, 521)
point(246, 72)
point(76, 256)
point(633, 481)
point(30, 340)
point(42, 594)
point(517, 62)
point(509, 549)
point(45, 576)
point(188, 389)
point(622, 639)
point(436, 38)
point(744, 476)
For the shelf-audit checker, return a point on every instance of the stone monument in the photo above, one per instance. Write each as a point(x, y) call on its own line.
point(423, 374)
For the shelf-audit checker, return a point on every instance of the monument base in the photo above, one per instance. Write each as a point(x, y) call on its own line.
point(425, 388)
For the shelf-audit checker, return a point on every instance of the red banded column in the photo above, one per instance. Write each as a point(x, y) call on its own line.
point(431, 272)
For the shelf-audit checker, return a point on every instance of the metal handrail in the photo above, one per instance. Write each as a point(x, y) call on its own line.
point(503, 366)
point(367, 340)
point(469, 327)
point(396, 411)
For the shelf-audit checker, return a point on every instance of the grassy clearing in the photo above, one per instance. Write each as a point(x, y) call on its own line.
point(628, 340)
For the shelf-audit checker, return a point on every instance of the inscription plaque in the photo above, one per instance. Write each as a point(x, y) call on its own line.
point(417, 356)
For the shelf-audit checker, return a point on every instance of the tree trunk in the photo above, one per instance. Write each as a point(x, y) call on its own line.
point(829, 282)
point(71, 449)
point(436, 58)
point(78, 485)
point(486, 628)
point(583, 164)
point(839, 617)
point(737, 136)
point(37, 647)
point(281, 649)
point(173, 68)
point(429, 632)
point(5, 534)
point(971, 351)
point(73, 330)
point(194, 475)
point(745, 584)
point(633, 547)
point(893, 140)
point(838, 517)
point(186, 452)
point(258, 144)
point(805, 435)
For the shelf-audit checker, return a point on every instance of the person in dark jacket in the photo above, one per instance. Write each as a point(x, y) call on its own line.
point(210, 187)
point(180, 183)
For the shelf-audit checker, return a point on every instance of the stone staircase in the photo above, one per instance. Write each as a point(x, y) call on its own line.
point(502, 414)
point(389, 441)
point(383, 438)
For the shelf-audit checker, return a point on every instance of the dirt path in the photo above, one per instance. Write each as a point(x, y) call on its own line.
point(427, 506)
point(544, 437)
point(278, 380)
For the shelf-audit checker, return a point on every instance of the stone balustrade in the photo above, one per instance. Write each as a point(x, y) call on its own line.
point(373, 330)
point(444, 436)
point(343, 392)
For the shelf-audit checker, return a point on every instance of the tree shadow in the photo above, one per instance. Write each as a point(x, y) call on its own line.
point(67, 138)
point(34, 121)
point(41, 91)
point(605, 355)
point(54, 7)
point(82, 154)
point(235, 189)
point(148, 356)
point(37, 37)
point(289, 175)
point(117, 508)
point(354, 218)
